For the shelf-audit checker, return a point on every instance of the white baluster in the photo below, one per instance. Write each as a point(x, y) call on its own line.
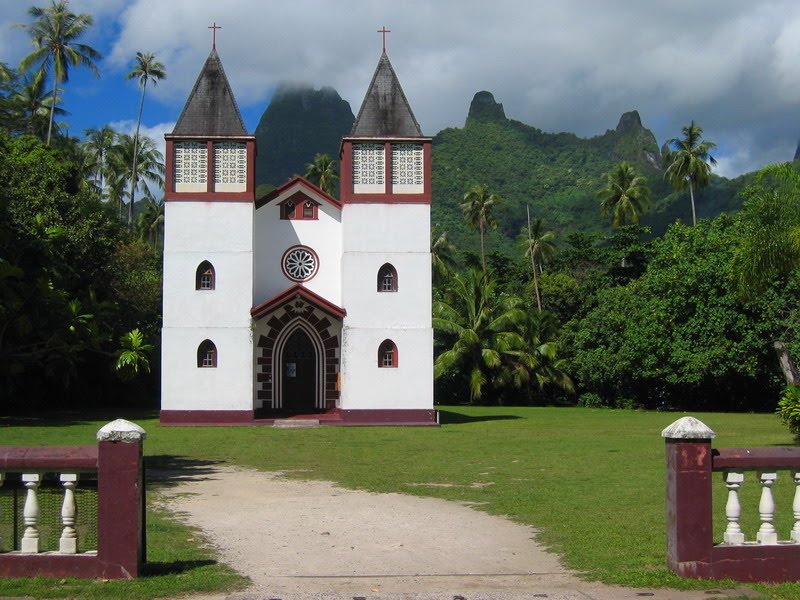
point(733, 510)
point(30, 514)
point(795, 537)
point(68, 544)
point(766, 510)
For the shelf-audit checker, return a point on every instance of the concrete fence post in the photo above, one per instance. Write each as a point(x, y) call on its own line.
point(120, 497)
point(689, 518)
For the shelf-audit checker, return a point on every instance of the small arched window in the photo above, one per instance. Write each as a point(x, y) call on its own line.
point(387, 355)
point(207, 355)
point(205, 278)
point(387, 278)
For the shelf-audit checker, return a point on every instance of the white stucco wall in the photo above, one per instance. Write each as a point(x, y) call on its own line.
point(221, 233)
point(386, 227)
point(184, 386)
point(366, 386)
point(275, 235)
point(372, 235)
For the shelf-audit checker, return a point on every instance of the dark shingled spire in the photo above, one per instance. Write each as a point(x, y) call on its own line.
point(385, 111)
point(211, 108)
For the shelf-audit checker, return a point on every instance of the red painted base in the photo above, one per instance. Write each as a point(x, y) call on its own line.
point(751, 563)
point(50, 564)
point(334, 417)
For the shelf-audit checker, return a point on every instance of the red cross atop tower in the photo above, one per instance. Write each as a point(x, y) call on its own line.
point(384, 31)
point(214, 28)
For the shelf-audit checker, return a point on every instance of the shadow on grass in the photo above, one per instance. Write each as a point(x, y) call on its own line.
point(168, 470)
point(447, 417)
point(64, 418)
point(176, 567)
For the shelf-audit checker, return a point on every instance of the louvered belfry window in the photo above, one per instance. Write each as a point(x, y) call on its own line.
point(407, 172)
point(369, 169)
point(191, 166)
point(230, 166)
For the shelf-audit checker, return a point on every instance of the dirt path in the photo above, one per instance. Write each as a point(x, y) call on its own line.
point(297, 539)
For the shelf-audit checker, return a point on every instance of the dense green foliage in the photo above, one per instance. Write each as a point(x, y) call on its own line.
point(69, 287)
point(556, 174)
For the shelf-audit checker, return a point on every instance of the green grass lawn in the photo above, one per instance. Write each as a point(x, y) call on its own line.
point(591, 480)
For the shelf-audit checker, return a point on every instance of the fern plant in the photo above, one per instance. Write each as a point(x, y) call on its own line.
point(788, 409)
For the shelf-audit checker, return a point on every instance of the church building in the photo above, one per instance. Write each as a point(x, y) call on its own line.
point(297, 304)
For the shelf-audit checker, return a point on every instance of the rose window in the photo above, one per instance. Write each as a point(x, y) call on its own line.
point(300, 263)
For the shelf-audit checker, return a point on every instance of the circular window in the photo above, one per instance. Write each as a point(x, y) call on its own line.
point(300, 263)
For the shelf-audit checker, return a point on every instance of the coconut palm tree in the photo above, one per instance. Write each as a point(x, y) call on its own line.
point(33, 103)
point(54, 33)
point(689, 162)
point(483, 330)
point(98, 144)
point(538, 244)
point(322, 173)
point(442, 255)
point(535, 361)
point(133, 165)
point(478, 205)
point(145, 68)
point(150, 223)
point(625, 197)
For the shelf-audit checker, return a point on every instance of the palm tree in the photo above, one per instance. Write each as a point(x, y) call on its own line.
point(689, 161)
point(6, 73)
point(625, 197)
point(32, 104)
point(98, 145)
point(145, 68)
point(477, 207)
point(539, 245)
point(483, 330)
point(150, 223)
point(134, 173)
point(442, 255)
point(322, 173)
point(54, 33)
point(535, 360)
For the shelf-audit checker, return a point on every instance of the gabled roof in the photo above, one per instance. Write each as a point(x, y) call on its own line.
point(290, 294)
point(211, 108)
point(295, 184)
point(385, 111)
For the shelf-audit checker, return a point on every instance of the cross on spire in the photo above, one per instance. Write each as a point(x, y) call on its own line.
point(214, 28)
point(384, 31)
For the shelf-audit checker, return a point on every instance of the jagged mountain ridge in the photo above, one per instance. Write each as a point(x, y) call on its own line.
point(557, 174)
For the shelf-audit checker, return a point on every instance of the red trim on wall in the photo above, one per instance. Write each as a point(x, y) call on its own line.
point(388, 417)
point(346, 174)
point(169, 170)
point(303, 185)
point(300, 199)
point(169, 178)
point(211, 417)
point(273, 303)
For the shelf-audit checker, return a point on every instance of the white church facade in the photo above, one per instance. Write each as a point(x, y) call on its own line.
point(297, 304)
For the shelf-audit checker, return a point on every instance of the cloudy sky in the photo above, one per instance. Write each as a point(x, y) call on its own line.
point(733, 66)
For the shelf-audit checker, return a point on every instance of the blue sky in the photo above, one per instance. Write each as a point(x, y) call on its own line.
point(730, 65)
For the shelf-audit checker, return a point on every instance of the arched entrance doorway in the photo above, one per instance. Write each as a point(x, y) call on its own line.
point(299, 372)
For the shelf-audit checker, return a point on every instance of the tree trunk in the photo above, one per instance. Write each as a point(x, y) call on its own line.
point(691, 196)
point(787, 364)
point(52, 108)
point(483, 252)
point(536, 285)
point(135, 153)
